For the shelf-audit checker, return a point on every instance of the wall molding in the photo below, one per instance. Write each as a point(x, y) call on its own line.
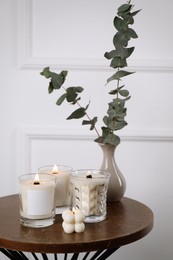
point(26, 135)
point(27, 60)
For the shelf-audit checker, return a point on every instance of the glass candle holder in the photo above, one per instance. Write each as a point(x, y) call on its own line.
point(37, 202)
point(62, 189)
point(89, 193)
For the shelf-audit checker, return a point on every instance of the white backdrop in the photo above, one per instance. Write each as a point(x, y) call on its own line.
point(74, 35)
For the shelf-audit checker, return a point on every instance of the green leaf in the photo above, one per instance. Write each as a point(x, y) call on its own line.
point(132, 33)
point(117, 113)
point(110, 55)
point(72, 93)
point(78, 113)
point(58, 79)
point(115, 91)
point(118, 75)
point(119, 24)
point(126, 52)
point(76, 89)
point(61, 99)
point(46, 72)
point(90, 122)
point(124, 92)
point(121, 39)
point(108, 137)
point(118, 62)
point(114, 125)
point(50, 88)
point(124, 8)
point(136, 12)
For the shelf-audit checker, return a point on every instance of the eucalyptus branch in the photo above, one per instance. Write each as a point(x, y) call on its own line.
point(86, 114)
point(114, 120)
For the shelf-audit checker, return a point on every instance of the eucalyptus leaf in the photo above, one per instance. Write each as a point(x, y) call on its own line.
point(119, 23)
point(61, 99)
point(78, 113)
point(50, 88)
point(124, 8)
point(132, 33)
point(118, 75)
point(111, 54)
point(108, 137)
point(126, 52)
point(46, 72)
point(135, 13)
point(90, 122)
point(71, 95)
point(118, 62)
point(124, 92)
point(58, 79)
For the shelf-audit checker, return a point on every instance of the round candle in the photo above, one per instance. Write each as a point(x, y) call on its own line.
point(36, 196)
point(62, 189)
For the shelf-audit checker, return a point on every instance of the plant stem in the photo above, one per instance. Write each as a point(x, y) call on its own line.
point(89, 119)
point(85, 114)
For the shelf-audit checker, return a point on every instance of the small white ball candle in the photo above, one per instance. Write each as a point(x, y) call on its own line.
point(79, 216)
point(68, 228)
point(79, 227)
point(73, 221)
point(68, 217)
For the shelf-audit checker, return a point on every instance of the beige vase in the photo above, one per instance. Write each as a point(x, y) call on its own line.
point(117, 183)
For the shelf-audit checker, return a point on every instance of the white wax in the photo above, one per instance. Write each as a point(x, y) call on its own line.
point(68, 216)
point(68, 228)
point(36, 200)
point(79, 227)
point(73, 221)
point(79, 216)
point(62, 188)
point(87, 191)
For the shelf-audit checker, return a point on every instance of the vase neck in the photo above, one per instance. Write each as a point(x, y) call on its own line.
point(108, 149)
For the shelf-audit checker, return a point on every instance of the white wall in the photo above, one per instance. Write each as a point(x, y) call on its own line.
point(74, 35)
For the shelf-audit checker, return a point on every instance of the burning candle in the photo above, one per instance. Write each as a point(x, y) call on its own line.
point(62, 189)
point(73, 221)
point(36, 193)
point(89, 191)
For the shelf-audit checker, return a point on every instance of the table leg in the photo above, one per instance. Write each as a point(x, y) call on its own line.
point(14, 255)
point(99, 255)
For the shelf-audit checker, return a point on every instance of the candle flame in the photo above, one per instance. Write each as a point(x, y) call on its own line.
point(73, 210)
point(36, 179)
point(55, 169)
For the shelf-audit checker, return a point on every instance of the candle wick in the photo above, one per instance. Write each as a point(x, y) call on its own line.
point(36, 183)
point(89, 176)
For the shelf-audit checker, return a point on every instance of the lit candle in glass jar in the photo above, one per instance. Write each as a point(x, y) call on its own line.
point(36, 198)
point(89, 191)
point(62, 190)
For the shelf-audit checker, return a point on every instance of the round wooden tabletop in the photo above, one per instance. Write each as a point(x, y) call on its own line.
point(126, 222)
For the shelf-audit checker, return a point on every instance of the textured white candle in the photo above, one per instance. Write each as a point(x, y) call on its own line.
point(88, 190)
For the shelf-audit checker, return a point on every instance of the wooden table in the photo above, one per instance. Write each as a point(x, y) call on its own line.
point(127, 221)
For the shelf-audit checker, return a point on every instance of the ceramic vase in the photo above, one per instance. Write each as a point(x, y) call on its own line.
point(117, 183)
